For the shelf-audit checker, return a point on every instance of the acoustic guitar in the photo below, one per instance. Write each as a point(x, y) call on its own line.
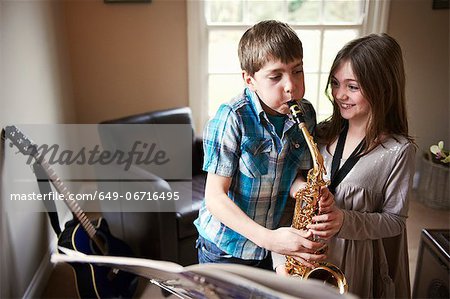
point(82, 235)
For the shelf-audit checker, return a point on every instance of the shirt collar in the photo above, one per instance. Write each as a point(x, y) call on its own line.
point(255, 102)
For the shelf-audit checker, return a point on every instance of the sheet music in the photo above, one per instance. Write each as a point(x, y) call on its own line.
point(210, 280)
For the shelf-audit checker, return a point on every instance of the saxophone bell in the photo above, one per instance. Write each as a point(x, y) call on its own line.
point(329, 274)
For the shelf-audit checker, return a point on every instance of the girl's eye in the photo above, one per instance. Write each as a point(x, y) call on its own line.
point(299, 71)
point(353, 87)
point(334, 83)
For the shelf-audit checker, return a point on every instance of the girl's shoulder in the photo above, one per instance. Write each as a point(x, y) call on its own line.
point(395, 140)
point(397, 143)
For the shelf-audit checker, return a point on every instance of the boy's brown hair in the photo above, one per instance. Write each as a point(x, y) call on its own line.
point(265, 41)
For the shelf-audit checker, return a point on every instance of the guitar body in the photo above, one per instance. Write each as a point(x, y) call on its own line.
point(95, 281)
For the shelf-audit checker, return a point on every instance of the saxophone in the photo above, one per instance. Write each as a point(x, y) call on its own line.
point(306, 206)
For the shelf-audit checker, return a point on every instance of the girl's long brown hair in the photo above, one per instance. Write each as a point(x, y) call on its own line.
point(377, 63)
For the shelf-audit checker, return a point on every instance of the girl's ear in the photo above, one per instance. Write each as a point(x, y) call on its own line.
point(249, 81)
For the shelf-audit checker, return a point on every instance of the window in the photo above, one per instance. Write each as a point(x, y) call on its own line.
point(324, 26)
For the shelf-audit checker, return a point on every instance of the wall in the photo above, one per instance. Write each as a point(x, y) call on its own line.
point(60, 59)
point(34, 89)
point(423, 34)
point(127, 58)
point(132, 58)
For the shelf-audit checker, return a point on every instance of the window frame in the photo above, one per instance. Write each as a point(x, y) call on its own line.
point(197, 33)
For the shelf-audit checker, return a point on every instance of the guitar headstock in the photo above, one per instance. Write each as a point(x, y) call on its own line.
point(17, 138)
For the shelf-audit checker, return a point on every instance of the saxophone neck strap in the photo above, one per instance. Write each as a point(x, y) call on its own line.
point(338, 174)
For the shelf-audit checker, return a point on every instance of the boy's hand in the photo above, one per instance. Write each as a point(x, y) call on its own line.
point(294, 242)
point(330, 218)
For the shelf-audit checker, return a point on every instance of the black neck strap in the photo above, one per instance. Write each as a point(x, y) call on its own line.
point(337, 175)
point(45, 188)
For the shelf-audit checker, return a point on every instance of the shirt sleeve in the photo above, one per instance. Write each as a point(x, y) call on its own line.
point(391, 221)
point(221, 143)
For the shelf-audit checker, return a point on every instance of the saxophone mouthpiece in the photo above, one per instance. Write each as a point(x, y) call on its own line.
point(292, 103)
point(296, 112)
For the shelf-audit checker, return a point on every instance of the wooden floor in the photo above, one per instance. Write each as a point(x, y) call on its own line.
point(62, 283)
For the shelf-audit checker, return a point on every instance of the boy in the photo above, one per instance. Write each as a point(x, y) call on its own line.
point(253, 153)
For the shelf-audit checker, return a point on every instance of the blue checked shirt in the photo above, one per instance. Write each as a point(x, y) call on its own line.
point(241, 143)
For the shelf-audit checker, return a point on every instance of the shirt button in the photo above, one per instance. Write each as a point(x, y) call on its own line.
point(296, 145)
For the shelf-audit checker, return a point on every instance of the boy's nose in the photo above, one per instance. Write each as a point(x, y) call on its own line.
point(289, 85)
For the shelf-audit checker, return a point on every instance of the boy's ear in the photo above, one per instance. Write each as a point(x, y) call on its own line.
point(249, 81)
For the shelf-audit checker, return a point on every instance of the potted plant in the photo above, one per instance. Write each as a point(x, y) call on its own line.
point(440, 155)
point(434, 190)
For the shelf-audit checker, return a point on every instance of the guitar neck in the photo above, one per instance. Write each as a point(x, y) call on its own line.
point(27, 147)
point(72, 204)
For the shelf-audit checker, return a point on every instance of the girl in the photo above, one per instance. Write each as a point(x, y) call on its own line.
point(369, 157)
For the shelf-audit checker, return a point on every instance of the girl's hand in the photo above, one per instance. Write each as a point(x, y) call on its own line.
point(327, 225)
point(330, 218)
point(326, 201)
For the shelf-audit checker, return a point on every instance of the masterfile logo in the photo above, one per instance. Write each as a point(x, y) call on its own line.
point(140, 153)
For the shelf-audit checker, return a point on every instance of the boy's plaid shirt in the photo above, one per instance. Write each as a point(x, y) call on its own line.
point(241, 143)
